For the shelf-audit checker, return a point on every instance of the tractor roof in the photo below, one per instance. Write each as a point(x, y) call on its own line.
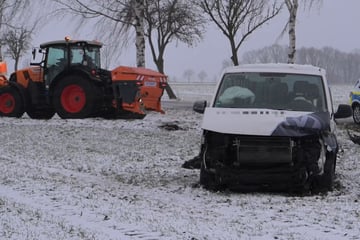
point(70, 42)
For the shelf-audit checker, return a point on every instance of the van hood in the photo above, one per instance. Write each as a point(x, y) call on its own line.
point(265, 122)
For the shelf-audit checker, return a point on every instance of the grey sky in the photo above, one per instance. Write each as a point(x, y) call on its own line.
point(333, 25)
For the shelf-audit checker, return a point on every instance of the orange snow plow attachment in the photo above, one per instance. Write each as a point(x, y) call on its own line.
point(152, 84)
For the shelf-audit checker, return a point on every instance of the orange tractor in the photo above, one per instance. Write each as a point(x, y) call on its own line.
point(69, 81)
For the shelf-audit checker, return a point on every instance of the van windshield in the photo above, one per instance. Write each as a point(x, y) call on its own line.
point(293, 92)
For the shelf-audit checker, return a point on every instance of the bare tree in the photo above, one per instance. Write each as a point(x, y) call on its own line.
point(292, 6)
point(167, 21)
point(239, 17)
point(17, 41)
point(125, 14)
point(8, 9)
point(159, 21)
point(171, 20)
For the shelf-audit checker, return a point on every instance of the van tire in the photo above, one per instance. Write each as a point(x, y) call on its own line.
point(208, 179)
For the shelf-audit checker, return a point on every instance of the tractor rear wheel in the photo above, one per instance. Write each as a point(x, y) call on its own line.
point(74, 97)
point(11, 103)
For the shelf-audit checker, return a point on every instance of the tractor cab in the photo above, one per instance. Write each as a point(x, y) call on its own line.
point(65, 55)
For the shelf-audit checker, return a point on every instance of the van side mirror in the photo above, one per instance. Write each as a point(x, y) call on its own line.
point(199, 106)
point(343, 111)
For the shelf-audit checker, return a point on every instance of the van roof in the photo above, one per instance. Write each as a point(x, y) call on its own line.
point(277, 68)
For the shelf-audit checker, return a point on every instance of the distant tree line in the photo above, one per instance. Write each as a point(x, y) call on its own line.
point(156, 22)
point(341, 67)
point(160, 23)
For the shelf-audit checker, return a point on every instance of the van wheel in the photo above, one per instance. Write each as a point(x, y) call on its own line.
point(356, 113)
point(208, 179)
point(11, 103)
point(74, 97)
point(325, 182)
point(329, 171)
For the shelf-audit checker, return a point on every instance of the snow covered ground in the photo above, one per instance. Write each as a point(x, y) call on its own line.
point(122, 179)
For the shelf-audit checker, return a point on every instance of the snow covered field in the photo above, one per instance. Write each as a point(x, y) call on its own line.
point(122, 179)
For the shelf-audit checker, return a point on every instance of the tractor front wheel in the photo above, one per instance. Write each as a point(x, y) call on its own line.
point(11, 103)
point(74, 97)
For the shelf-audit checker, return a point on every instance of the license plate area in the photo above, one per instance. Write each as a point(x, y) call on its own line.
point(262, 150)
point(149, 84)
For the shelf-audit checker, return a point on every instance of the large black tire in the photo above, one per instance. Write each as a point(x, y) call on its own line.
point(11, 102)
point(356, 113)
point(75, 97)
point(41, 114)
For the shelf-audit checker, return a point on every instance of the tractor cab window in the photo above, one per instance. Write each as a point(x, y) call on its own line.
point(55, 62)
point(86, 56)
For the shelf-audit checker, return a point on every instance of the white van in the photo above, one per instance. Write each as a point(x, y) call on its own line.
point(270, 127)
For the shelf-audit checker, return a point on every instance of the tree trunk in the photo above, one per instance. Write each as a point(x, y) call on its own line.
point(159, 61)
point(140, 33)
point(234, 57)
point(292, 33)
point(16, 64)
point(170, 92)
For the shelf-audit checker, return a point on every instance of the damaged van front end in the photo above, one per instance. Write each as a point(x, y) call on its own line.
point(270, 127)
point(299, 153)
